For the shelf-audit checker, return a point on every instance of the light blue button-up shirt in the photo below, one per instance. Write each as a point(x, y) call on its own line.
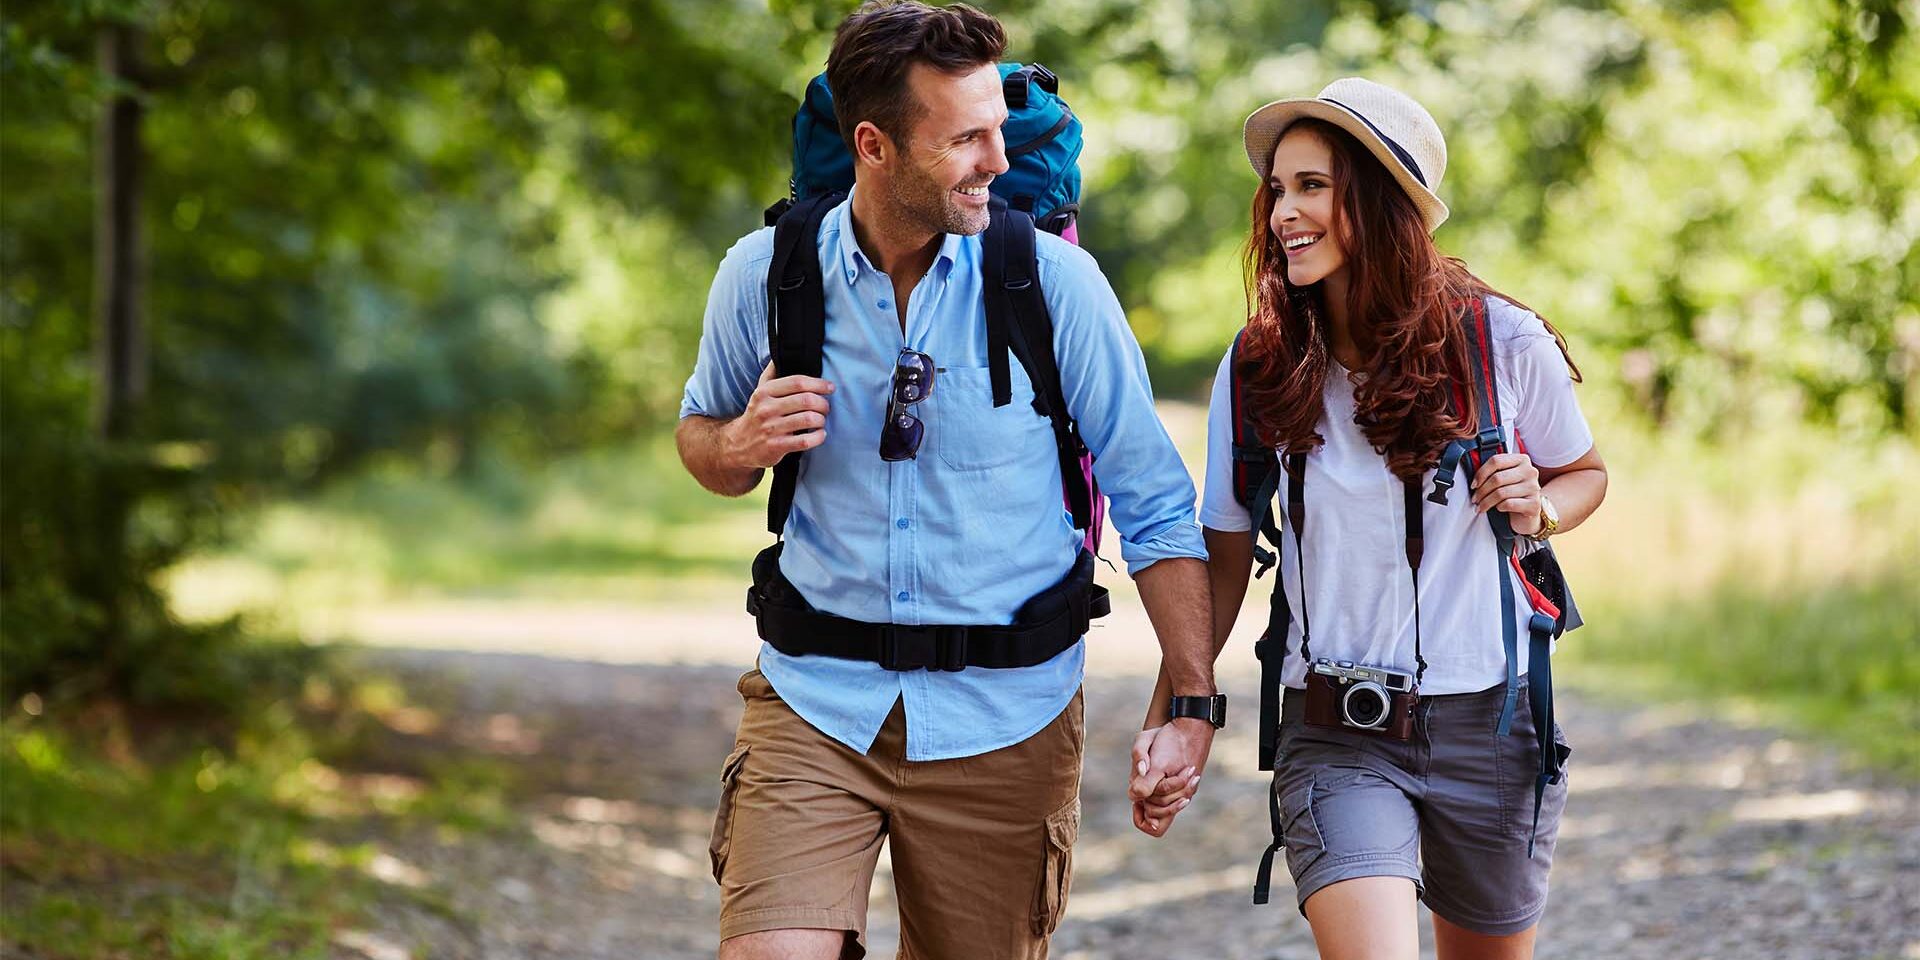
point(974, 526)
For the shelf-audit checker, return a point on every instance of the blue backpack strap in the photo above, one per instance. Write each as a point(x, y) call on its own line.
point(796, 323)
point(1019, 323)
point(1540, 627)
point(1489, 443)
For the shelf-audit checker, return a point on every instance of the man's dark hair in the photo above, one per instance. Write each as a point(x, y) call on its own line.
point(878, 43)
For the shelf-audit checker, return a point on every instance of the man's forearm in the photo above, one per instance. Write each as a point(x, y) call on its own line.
point(1177, 596)
point(706, 453)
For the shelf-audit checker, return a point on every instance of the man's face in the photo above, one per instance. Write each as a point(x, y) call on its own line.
point(951, 151)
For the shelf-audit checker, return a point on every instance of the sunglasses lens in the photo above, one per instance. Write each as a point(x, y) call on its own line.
point(912, 382)
point(901, 438)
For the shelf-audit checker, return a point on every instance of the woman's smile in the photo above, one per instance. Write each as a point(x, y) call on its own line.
point(1297, 244)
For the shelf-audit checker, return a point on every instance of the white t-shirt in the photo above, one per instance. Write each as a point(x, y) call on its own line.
point(1360, 591)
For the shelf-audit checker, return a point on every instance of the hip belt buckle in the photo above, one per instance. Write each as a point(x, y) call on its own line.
point(917, 647)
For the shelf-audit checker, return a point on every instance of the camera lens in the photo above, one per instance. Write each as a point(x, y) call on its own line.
point(1365, 705)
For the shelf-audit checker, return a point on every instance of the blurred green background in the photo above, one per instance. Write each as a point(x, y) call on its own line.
point(415, 288)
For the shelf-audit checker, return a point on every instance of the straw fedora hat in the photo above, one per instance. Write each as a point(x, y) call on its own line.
point(1389, 123)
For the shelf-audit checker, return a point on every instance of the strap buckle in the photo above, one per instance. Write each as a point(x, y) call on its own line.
point(906, 646)
point(1488, 442)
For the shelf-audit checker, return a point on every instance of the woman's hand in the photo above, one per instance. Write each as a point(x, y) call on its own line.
point(1510, 483)
point(1167, 761)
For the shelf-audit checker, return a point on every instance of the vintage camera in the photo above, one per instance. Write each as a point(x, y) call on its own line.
point(1341, 693)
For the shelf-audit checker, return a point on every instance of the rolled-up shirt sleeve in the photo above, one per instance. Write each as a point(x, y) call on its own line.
point(733, 335)
point(1104, 375)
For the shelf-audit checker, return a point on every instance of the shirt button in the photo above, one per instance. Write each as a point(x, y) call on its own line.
point(902, 523)
point(882, 304)
point(903, 596)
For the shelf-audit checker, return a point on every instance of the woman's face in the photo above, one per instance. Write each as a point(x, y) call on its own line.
point(1304, 216)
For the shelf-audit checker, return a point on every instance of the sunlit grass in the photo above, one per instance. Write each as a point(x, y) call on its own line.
point(202, 844)
point(1780, 573)
point(623, 524)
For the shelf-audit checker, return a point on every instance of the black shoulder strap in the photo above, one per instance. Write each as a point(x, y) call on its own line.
point(796, 322)
point(1018, 323)
point(1256, 467)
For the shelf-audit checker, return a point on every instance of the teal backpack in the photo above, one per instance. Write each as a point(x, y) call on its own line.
point(1043, 150)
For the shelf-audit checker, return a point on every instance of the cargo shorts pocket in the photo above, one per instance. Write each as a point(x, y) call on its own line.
point(1301, 830)
point(1056, 875)
point(722, 841)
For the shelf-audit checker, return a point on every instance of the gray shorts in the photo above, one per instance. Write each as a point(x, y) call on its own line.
point(1449, 809)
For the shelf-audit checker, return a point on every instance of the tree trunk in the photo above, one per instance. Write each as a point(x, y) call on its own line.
point(119, 339)
point(119, 342)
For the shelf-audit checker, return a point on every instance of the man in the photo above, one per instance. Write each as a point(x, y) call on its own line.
point(972, 773)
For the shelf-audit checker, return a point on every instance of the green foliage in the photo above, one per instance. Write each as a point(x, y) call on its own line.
point(369, 230)
point(615, 523)
point(246, 844)
point(1842, 662)
point(481, 233)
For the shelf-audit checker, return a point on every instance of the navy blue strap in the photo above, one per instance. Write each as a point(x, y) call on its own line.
point(1487, 443)
point(1540, 701)
point(1263, 878)
point(1443, 475)
point(1263, 525)
point(1256, 479)
point(1509, 636)
point(1271, 650)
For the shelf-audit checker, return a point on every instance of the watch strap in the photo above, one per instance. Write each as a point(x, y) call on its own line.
point(1212, 709)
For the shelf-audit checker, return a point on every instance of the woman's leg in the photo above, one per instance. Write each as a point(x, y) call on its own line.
point(1458, 943)
point(1366, 918)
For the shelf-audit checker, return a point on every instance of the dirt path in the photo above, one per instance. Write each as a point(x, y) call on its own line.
point(1685, 837)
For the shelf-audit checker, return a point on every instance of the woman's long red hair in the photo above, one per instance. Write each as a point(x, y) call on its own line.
point(1404, 301)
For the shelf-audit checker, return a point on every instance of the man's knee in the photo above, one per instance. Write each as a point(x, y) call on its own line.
point(785, 945)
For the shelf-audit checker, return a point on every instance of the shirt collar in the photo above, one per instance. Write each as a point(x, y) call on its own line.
point(853, 260)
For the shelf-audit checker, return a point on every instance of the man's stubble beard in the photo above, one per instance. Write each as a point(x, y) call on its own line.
point(922, 201)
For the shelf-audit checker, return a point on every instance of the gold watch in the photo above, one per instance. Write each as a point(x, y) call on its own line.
point(1549, 521)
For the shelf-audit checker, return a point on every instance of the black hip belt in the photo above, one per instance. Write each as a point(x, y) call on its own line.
point(1047, 624)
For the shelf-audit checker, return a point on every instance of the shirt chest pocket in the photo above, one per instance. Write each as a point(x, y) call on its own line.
point(969, 433)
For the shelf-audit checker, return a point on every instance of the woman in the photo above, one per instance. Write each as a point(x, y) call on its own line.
point(1356, 360)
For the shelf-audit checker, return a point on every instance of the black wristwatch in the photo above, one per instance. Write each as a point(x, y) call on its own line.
point(1211, 709)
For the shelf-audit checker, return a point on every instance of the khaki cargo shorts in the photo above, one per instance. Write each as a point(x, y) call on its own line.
point(982, 846)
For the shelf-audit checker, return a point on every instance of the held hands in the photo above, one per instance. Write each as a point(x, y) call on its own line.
point(1510, 483)
point(1167, 761)
point(783, 415)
